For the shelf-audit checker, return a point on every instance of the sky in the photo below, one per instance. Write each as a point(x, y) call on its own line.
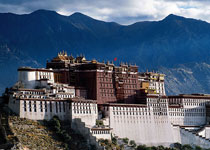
point(120, 11)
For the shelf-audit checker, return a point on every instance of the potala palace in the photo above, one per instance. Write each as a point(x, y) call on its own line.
point(130, 104)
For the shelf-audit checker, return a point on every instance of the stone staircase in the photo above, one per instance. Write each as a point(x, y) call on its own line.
point(200, 130)
point(192, 138)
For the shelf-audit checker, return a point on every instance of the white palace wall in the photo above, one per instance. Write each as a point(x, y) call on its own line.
point(85, 110)
point(154, 123)
point(27, 78)
point(191, 112)
point(140, 124)
point(32, 77)
point(195, 111)
point(44, 109)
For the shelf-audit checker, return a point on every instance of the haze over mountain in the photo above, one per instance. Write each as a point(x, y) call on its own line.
point(176, 46)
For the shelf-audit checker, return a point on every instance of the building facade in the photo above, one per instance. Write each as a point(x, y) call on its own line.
point(128, 103)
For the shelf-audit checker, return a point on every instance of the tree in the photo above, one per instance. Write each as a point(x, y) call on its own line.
point(178, 146)
point(125, 140)
point(198, 148)
point(106, 141)
point(114, 140)
point(187, 147)
point(141, 147)
point(132, 143)
point(154, 148)
point(160, 147)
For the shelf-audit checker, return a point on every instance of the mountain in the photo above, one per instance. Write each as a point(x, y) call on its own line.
point(187, 78)
point(170, 45)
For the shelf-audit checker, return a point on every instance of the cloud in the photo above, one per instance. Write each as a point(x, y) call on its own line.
point(121, 11)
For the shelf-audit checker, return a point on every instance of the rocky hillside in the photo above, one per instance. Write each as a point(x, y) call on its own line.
point(27, 131)
point(187, 78)
point(25, 134)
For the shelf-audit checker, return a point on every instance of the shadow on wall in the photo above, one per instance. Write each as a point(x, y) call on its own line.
point(127, 98)
point(195, 115)
point(80, 128)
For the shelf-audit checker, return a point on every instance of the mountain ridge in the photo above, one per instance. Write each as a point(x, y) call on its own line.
point(166, 43)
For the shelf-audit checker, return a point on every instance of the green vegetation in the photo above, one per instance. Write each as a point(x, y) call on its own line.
point(186, 147)
point(99, 123)
point(114, 140)
point(54, 134)
point(125, 140)
point(55, 125)
point(34, 135)
point(143, 147)
point(132, 143)
point(111, 144)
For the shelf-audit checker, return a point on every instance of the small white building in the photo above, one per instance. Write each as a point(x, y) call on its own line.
point(32, 78)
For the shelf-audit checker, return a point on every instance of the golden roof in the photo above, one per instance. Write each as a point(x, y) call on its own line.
point(61, 56)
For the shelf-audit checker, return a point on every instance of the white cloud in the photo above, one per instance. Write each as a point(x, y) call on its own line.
point(122, 11)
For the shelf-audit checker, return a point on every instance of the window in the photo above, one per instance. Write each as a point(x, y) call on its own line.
point(60, 106)
point(25, 109)
point(34, 106)
point(45, 106)
point(50, 106)
point(64, 107)
point(41, 107)
point(30, 106)
point(56, 107)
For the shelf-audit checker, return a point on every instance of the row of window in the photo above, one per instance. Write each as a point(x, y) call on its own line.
point(186, 110)
point(33, 96)
point(44, 77)
point(44, 73)
point(160, 110)
point(65, 96)
point(105, 74)
point(194, 104)
point(107, 91)
point(82, 107)
point(160, 113)
point(82, 111)
point(130, 113)
point(32, 92)
point(100, 132)
point(31, 106)
point(156, 84)
point(107, 85)
point(152, 100)
point(81, 104)
point(130, 108)
point(139, 121)
point(159, 105)
point(107, 95)
point(193, 100)
point(186, 114)
point(105, 79)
